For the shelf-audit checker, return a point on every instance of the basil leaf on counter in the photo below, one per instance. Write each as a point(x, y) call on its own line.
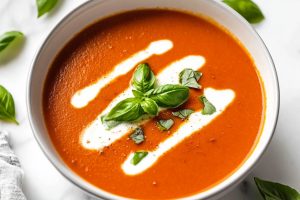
point(138, 156)
point(7, 106)
point(137, 93)
point(45, 6)
point(247, 8)
point(149, 106)
point(143, 78)
point(165, 125)
point(138, 136)
point(127, 110)
point(190, 78)
point(183, 114)
point(169, 96)
point(109, 124)
point(7, 38)
point(209, 108)
point(276, 191)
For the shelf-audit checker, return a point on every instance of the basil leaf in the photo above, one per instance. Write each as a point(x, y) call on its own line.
point(45, 6)
point(137, 93)
point(149, 106)
point(165, 125)
point(169, 96)
point(143, 78)
point(276, 191)
point(7, 106)
point(247, 8)
point(138, 136)
point(7, 38)
point(183, 114)
point(127, 110)
point(138, 156)
point(189, 78)
point(109, 124)
point(209, 108)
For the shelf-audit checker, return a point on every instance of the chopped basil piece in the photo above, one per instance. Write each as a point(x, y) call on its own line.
point(247, 8)
point(276, 191)
point(138, 136)
point(190, 78)
point(138, 157)
point(165, 125)
point(183, 114)
point(45, 6)
point(209, 108)
point(7, 106)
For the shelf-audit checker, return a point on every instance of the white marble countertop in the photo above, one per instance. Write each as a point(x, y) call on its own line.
point(281, 33)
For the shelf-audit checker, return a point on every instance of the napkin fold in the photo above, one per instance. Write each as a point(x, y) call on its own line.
point(10, 172)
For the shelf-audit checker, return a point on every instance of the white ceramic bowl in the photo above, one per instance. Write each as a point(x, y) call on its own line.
point(97, 9)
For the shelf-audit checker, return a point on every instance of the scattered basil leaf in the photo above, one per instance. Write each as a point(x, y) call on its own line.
point(7, 38)
point(127, 110)
point(7, 106)
point(247, 8)
point(143, 78)
point(169, 96)
point(138, 136)
point(209, 108)
point(137, 93)
point(109, 124)
point(190, 78)
point(165, 125)
point(276, 191)
point(149, 106)
point(45, 6)
point(138, 156)
point(183, 114)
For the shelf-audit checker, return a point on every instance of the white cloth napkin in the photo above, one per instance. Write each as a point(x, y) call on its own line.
point(10, 172)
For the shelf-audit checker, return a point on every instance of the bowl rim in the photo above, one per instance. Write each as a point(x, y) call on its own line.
point(89, 188)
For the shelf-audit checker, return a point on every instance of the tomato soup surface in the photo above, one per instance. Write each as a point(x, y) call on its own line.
point(201, 160)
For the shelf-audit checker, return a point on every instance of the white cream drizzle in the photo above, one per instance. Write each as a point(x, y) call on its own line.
point(96, 137)
point(219, 98)
point(82, 97)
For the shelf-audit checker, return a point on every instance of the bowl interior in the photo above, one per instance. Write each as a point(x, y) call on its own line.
point(97, 9)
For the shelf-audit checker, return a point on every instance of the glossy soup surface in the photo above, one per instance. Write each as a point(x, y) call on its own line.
point(200, 161)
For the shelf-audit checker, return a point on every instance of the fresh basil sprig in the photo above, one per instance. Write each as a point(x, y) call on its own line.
point(165, 125)
point(190, 78)
point(45, 6)
point(143, 78)
point(149, 106)
point(209, 108)
point(138, 157)
point(183, 114)
point(7, 106)
point(276, 191)
point(8, 38)
point(169, 96)
point(247, 8)
point(129, 109)
point(138, 136)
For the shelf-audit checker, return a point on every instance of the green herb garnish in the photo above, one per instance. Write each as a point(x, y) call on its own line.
point(8, 38)
point(143, 78)
point(138, 156)
point(165, 125)
point(138, 136)
point(247, 8)
point(149, 106)
point(169, 96)
point(209, 108)
point(183, 114)
point(190, 78)
point(109, 124)
point(276, 191)
point(45, 6)
point(7, 106)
